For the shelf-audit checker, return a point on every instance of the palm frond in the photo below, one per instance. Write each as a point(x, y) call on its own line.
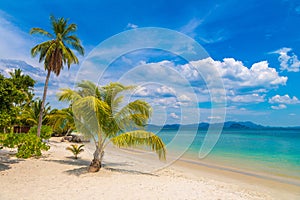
point(68, 95)
point(140, 137)
point(88, 88)
point(75, 149)
point(40, 31)
point(92, 111)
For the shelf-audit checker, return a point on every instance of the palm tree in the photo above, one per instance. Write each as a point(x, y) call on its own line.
point(56, 52)
point(31, 114)
point(75, 149)
point(99, 115)
point(62, 121)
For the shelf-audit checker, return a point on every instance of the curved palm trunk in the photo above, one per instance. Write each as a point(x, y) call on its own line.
point(96, 163)
point(43, 103)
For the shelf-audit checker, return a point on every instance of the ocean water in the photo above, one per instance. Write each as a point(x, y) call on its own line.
point(275, 152)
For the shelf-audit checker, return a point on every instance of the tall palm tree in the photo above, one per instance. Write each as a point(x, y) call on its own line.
point(99, 115)
point(56, 52)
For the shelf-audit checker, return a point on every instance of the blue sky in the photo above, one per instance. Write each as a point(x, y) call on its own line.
point(253, 44)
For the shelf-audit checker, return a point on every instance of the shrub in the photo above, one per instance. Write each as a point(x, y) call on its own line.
point(46, 131)
point(10, 140)
point(28, 145)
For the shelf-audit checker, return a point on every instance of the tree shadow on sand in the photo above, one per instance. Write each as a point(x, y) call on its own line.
point(83, 167)
point(71, 161)
point(6, 161)
point(129, 171)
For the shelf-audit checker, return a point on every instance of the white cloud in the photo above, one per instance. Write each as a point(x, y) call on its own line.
point(174, 115)
point(284, 99)
point(234, 74)
point(184, 98)
point(133, 26)
point(279, 107)
point(247, 98)
point(141, 91)
point(165, 91)
point(288, 62)
point(164, 101)
point(256, 80)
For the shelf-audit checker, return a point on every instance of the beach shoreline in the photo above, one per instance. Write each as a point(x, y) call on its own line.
point(124, 176)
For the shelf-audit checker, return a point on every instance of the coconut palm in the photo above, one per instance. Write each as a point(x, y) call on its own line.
point(56, 52)
point(99, 115)
point(62, 121)
point(31, 114)
point(75, 149)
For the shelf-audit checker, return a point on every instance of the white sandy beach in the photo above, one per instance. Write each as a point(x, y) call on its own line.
point(58, 176)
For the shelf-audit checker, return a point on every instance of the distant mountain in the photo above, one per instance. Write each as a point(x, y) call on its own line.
point(226, 125)
point(7, 65)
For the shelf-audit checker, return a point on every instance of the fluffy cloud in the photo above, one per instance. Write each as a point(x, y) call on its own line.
point(234, 74)
point(184, 98)
point(284, 99)
point(288, 62)
point(279, 107)
point(165, 91)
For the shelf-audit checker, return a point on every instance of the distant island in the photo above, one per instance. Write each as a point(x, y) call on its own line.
point(226, 125)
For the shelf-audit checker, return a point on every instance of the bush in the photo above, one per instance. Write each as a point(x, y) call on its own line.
point(10, 140)
point(46, 132)
point(28, 145)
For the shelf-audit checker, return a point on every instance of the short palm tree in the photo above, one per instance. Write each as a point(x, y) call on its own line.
point(75, 149)
point(56, 52)
point(99, 115)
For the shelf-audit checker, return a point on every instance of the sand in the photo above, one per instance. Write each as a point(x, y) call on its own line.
point(126, 176)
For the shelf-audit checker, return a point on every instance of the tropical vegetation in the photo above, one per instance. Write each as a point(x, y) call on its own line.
point(100, 115)
point(16, 94)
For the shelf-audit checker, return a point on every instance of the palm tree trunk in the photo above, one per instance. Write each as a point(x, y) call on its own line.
point(96, 163)
point(43, 104)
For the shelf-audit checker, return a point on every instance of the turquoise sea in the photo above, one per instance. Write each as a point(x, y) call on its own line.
point(273, 152)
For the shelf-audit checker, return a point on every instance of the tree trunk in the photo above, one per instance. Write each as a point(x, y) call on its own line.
point(96, 163)
point(43, 104)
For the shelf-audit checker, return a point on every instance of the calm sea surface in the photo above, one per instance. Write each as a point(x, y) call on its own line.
point(275, 152)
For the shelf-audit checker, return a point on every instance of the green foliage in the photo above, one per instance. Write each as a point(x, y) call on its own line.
point(31, 113)
point(24, 84)
point(28, 145)
point(46, 131)
point(10, 140)
point(137, 138)
point(56, 51)
point(62, 121)
point(15, 94)
point(75, 149)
